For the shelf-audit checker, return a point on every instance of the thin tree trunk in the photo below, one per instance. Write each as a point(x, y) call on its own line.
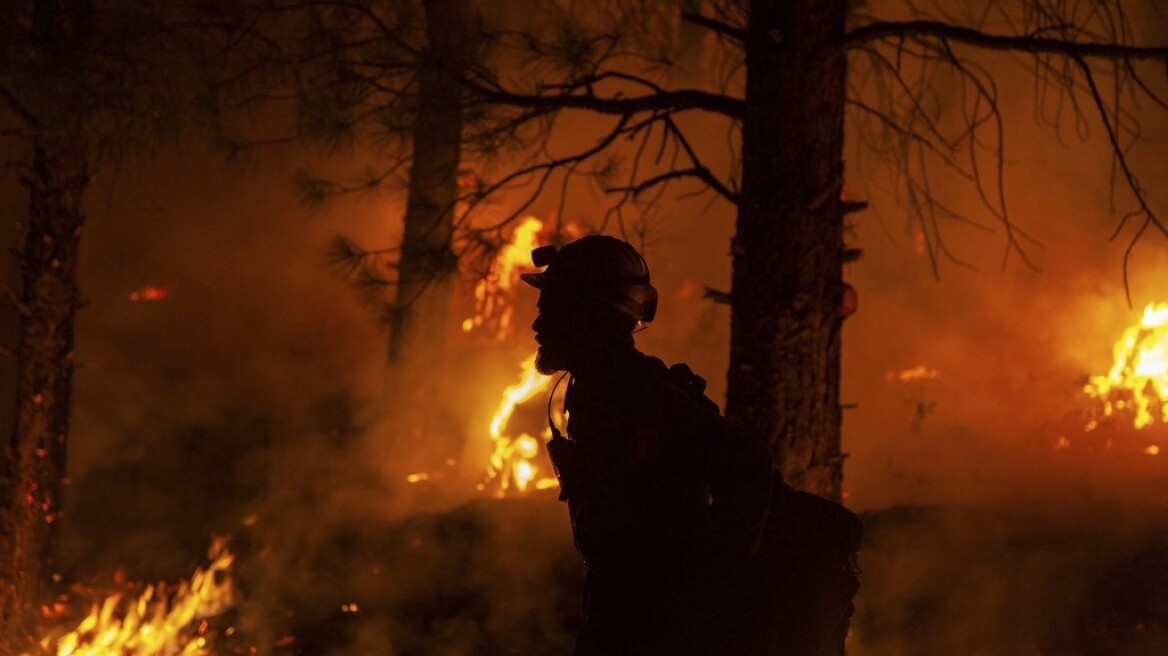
point(787, 279)
point(427, 265)
point(34, 457)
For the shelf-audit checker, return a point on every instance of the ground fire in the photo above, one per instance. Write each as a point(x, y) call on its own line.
point(160, 620)
point(1135, 390)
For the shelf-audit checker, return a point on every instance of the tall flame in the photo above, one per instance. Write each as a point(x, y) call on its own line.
point(1138, 381)
point(512, 464)
point(157, 622)
point(493, 292)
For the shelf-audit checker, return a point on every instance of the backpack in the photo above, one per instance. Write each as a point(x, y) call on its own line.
point(797, 594)
point(807, 565)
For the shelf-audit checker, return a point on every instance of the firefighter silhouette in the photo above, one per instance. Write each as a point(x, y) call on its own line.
point(667, 499)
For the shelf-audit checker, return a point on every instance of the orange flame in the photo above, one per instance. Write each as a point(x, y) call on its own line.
point(512, 465)
point(156, 622)
point(1138, 381)
point(493, 292)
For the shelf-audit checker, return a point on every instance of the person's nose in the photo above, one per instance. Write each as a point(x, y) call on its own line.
point(537, 324)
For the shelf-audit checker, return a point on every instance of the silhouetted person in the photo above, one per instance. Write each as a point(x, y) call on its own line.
point(667, 500)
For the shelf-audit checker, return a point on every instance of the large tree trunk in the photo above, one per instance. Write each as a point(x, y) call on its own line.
point(427, 265)
point(787, 281)
point(34, 456)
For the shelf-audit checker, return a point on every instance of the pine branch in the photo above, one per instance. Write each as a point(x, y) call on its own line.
point(1030, 43)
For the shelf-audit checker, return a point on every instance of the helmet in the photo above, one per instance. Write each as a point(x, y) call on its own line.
point(600, 266)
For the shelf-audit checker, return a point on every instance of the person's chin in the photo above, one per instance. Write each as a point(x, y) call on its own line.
point(547, 361)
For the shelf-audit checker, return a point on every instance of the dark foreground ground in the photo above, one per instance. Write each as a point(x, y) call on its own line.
point(500, 577)
point(1068, 577)
point(1085, 578)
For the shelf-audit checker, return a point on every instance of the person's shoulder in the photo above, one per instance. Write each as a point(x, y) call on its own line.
point(677, 385)
point(692, 387)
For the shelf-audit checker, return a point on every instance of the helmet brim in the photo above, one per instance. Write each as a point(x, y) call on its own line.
point(537, 280)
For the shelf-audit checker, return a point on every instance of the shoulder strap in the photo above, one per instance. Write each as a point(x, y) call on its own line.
point(693, 385)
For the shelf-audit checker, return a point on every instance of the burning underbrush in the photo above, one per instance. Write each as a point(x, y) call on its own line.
point(144, 620)
point(1123, 411)
point(500, 576)
point(340, 551)
point(1133, 395)
point(1036, 521)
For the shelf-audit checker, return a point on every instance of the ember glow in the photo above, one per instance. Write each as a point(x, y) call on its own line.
point(160, 621)
point(1137, 385)
point(493, 293)
point(919, 372)
point(149, 294)
point(513, 466)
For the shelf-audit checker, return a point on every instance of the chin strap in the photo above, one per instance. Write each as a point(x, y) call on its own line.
point(556, 434)
point(560, 449)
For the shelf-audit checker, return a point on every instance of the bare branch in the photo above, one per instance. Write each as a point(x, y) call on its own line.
point(716, 26)
point(717, 295)
point(907, 133)
point(708, 177)
point(664, 101)
point(1031, 43)
point(545, 169)
point(699, 172)
point(1150, 217)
